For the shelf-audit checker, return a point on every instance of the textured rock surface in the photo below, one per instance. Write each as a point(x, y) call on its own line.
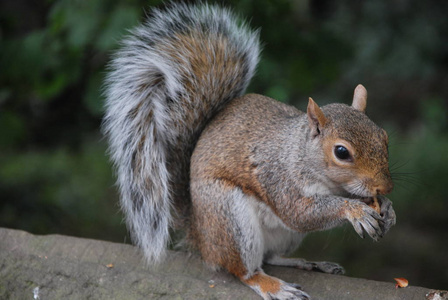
point(62, 267)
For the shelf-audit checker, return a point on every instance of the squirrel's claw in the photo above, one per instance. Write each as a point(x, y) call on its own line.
point(388, 217)
point(358, 228)
point(289, 291)
point(365, 218)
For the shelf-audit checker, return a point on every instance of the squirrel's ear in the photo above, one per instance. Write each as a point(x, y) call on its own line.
point(316, 118)
point(360, 98)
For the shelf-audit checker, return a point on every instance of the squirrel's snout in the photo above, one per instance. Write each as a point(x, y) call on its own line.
point(382, 183)
point(385, 188)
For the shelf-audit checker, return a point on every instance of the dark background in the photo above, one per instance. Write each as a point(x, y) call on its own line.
point(56, 178)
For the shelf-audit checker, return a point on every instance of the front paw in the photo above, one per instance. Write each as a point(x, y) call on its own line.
point(388, 217)
point(364, 218)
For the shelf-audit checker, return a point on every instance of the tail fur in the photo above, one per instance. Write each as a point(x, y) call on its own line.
point(168, 79)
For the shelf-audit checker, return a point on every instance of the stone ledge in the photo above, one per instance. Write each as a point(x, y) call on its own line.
point(63, 267)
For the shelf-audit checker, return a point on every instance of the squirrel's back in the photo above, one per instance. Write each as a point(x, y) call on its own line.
point(169, 78)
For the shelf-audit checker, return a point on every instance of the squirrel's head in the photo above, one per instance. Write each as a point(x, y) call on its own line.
point(355, 149)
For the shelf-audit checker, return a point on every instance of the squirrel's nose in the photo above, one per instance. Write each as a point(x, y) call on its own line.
point(385, 188)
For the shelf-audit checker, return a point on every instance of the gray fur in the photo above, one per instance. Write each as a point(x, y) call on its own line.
point(150, 89)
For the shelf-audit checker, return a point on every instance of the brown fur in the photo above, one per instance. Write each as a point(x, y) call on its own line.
point(209, 57)
point(266, 283)
point(236, 164)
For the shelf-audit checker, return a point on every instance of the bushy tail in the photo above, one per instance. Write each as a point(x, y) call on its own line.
point(171, 75)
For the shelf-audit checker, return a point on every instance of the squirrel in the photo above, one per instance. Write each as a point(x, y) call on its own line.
point(246, 176)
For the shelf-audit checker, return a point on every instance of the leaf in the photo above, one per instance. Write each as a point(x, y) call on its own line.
point(401, 282)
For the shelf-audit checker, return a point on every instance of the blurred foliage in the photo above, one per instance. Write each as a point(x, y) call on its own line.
point(55, 176)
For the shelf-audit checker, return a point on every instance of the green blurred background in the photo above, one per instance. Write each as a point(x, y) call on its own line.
point(56, 178)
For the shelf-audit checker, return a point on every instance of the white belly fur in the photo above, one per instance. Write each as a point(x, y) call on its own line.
point(278, 238)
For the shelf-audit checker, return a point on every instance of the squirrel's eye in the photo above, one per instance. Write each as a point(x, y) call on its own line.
point(341, 152)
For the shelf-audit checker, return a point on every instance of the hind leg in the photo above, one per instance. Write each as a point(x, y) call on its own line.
point(226, 230)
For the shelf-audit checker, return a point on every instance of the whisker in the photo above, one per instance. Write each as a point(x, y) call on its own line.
point(398, 165)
